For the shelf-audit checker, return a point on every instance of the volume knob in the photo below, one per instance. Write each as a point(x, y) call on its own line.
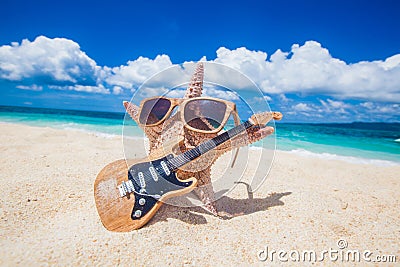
point(138, 213)
point(142, 201)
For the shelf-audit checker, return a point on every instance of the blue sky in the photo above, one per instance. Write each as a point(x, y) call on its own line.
point(314, 60)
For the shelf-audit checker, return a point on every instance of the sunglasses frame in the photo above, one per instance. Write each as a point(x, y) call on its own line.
point(230, 109)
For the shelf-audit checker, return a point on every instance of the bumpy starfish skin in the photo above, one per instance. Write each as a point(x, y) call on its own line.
point(201, 167)
point(195, 87)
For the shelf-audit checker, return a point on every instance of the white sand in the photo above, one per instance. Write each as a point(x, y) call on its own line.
point(48, 215)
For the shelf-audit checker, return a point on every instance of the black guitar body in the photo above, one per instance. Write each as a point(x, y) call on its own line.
point(151, 181)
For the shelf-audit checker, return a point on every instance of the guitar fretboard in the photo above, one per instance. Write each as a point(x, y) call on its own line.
point(206, 146)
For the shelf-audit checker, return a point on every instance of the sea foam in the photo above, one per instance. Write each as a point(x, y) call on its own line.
point(350, 159)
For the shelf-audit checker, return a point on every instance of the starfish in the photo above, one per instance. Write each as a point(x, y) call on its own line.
point(201, 167)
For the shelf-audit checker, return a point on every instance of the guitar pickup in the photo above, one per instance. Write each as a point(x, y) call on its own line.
point(165, 168)
point(153, 174)
point(125, 188)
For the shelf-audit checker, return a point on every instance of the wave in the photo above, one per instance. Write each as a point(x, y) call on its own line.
point(350, 159)
point(96, 133)
point(397, 140)
point(255, 148)
point(102, 134)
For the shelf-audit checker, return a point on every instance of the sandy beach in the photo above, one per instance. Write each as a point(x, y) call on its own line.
point(48, 214)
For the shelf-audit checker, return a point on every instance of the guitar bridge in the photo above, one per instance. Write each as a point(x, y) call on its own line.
point(125, 188)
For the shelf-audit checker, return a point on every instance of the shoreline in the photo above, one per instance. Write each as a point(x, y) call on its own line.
point(299, 152)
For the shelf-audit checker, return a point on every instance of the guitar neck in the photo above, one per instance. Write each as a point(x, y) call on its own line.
point(206, 146)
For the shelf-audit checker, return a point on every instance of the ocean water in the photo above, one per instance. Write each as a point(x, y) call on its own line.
point(376, 143)
point(102, 123)
point(373, 142)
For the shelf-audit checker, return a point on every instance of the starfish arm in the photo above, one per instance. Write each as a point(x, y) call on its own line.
point(132, 110)
point(195, 86)
point(204, 190)
point(252, 135)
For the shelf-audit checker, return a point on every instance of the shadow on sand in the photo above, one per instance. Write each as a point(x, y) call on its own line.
point(228, 208)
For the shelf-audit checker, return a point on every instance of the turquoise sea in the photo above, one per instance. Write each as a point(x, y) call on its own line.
point(377, 143)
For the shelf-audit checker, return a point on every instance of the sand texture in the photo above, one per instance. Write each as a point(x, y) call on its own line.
point(48, 215)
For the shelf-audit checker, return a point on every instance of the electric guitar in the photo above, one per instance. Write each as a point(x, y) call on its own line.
point(129, 192)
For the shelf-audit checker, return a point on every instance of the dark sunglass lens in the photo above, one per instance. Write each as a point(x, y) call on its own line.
point(154, 110)
point(204, 114)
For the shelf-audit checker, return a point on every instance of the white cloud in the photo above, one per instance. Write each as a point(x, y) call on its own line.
point(303, 107)
point(218, 93)
point(176, 93)
point(148, 91)
point(331, 110)
point(267, 98)
point(392, 109)
point(49, 60)
point(117, 90)
point(337, 104)
point(390, 62)
point(82, 88)
point(283, 98)
point(377, 111)
point(332, 106)
point(368, 105)
point(138, 71)
point(32, 87)
point(307, 69)
point(310, 69)
point(251, 63)
point(258, 100)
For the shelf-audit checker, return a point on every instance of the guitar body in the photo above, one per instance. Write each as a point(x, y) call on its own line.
point(129, 192)
point(133, 210)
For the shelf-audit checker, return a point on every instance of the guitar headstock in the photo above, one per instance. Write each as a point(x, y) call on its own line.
point(264, 117)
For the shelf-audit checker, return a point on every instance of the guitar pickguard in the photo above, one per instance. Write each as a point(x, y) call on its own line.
point(140, 209)
point(151, 182)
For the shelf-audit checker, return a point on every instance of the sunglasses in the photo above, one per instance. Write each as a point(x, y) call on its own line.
point(200, 114)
